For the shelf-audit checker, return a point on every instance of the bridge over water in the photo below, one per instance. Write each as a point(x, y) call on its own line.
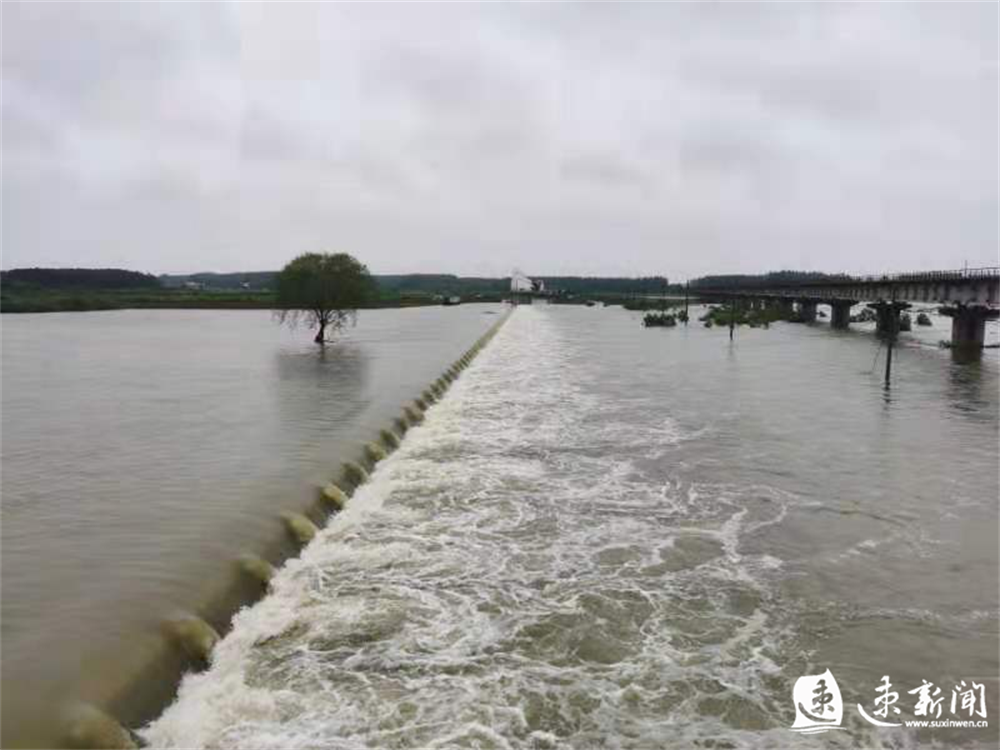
point(969, 296)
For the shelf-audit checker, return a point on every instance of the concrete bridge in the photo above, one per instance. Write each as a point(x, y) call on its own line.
point(969, 296)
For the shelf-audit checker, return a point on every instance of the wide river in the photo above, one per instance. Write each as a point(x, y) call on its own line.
point(145, 451)
point(603, 536)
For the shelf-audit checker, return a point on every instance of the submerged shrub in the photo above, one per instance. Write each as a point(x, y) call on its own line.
point(659, 320)
point(721, 315)
point(867, 315)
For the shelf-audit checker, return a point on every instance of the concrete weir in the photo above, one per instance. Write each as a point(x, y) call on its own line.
point(195, 637)
point(191, 637)
point(373, 454)
point(333, 497)
point(257, 568)
point(86, 726)
point(390, 440)
point(353, 474)
point(300, 528)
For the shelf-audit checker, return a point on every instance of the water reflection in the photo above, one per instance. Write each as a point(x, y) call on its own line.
point(321, 379)
point(965, 390)
point(322, 387)
point(965, 355)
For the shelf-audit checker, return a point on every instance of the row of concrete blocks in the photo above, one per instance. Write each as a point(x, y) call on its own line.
point(91, 727)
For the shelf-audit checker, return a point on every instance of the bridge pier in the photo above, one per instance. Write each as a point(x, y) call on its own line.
point(807, 311)
point(785, 305)
point(840, 313)
point(887, 317)
point(968, 326)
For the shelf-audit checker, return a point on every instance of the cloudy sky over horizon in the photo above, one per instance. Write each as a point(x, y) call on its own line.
point(611, 139)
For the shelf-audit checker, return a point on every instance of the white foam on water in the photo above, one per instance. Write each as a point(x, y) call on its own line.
point(513, 577)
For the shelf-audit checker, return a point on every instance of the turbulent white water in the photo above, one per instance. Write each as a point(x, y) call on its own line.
point(529, 570)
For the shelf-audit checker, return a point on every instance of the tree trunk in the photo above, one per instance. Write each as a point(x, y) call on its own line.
point(321, 334)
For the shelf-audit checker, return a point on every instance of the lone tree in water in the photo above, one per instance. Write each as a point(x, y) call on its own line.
point(322, 290)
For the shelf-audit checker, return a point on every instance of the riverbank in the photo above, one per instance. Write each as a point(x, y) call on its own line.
point(16, 298)
point(35, 300)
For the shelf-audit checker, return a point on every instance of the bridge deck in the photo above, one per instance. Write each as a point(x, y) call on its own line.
point(973, 286)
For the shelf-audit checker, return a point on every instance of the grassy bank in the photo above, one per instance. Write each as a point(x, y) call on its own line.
point(25, 299)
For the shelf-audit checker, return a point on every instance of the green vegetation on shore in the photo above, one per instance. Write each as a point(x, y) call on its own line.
point(24, 299)
point(20, 297)
point(69, 290)
point(430, 284)
point(64, 290)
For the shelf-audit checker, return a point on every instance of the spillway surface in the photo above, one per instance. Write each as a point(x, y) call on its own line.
point(613, 537)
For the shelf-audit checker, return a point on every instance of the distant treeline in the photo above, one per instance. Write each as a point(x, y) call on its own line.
point(438, 283)
point(69, 289)
point(461, 285)
point(393, 284)
point(80, 278)
point(765, 279)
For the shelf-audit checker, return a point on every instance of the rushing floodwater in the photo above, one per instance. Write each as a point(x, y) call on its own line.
point(143, 451)
point(606, 536)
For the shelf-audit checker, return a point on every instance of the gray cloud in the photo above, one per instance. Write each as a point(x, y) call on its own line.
point(637, 138)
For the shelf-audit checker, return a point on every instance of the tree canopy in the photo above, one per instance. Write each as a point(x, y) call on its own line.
point(322, 290)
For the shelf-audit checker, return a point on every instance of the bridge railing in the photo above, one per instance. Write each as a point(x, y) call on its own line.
point(960, 274)
point(957, 275)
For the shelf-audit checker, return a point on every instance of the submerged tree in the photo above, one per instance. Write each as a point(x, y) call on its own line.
point(322, 290)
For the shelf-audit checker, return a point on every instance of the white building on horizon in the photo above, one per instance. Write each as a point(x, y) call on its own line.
point(520, 283)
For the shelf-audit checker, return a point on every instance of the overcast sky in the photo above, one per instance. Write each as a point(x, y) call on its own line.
point(615, 139)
